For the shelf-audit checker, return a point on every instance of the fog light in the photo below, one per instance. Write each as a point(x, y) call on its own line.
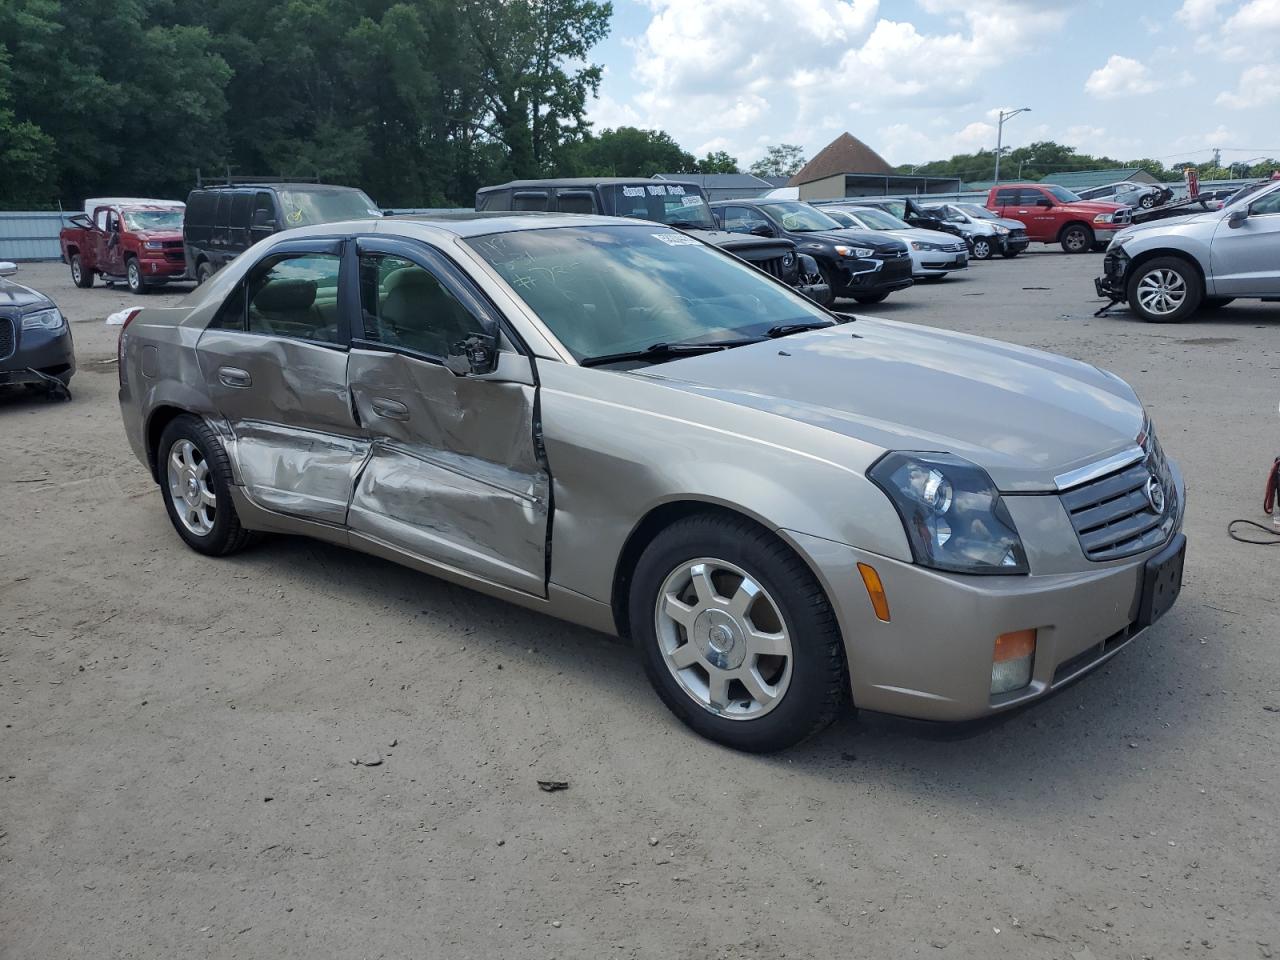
point(1011, 662)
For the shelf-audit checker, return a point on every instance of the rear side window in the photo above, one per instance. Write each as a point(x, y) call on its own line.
point(222, 214)
point(1006, 198)
point(529, 200)
point(497, 200)
point(241, 204)
point(576, 201)
point(296, 296)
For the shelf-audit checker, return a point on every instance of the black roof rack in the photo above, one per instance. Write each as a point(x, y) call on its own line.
point(227, 180)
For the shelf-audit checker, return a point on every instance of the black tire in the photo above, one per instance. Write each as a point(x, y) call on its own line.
point(1076, 238)
point(227, 536)
point(1009, 254)
point(79, 275)
point(1190, 283)
point(869, 297)
point(1147, 201)
point(984, 248)
point(818, 684)
point(1215, 303)
point(204, 271)
point(133, 277)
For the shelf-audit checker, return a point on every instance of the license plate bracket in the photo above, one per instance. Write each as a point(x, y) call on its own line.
point(1162, 581)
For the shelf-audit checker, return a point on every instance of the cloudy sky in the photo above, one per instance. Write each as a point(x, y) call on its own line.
point(920, 80)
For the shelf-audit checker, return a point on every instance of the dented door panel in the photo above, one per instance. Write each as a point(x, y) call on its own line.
point(453, 473)
point(297, 447)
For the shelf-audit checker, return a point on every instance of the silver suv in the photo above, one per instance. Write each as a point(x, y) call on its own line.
point(1168, 269)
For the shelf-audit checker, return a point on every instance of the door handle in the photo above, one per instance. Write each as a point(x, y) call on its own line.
point(390, 409)
point(1023, 211)
point(234, 377)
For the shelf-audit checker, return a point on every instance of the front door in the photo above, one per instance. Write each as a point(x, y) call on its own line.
point(275, 362)
point(454, 474)
point(1246, 259)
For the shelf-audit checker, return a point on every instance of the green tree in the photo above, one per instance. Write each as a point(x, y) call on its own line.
point(627, 152)
point(779, 160)
point(27, 169)
point(718, 162)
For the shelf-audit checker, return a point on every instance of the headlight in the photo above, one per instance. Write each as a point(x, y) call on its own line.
point(859, 252)
point(952, 513)
point(1103, 218)
point(1001, 230)
point(49, 319)
point(788, 259)
point(154, 245)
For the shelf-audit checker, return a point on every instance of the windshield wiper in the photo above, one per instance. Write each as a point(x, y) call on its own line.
point(786, 329)
point(665, 351)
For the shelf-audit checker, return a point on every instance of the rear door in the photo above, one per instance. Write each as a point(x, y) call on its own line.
point(454, 474)
point(1246, 260)
point(275, 362)
point(1006, 202)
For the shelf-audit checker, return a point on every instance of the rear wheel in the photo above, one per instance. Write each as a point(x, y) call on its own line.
point(869, 297)
point(80, 276)
point(1076, 238)
point(195, 479)
point(983, 248)
point(736, 635)
point(204, 271)
point(1164, 290)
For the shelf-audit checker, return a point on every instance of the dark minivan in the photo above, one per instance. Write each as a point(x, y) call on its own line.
point(223, 221)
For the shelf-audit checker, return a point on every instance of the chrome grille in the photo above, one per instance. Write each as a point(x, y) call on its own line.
point(1114, 516)
point(6, 338)
point(956, 247)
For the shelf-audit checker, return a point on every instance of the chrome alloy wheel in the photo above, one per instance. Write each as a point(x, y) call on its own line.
point(193, 498)
point(723, 638)
point(1162, 292)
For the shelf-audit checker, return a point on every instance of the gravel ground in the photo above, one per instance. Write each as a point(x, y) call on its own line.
point(176, 775)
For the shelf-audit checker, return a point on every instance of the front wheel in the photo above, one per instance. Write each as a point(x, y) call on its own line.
point(133, 276)
point(736, 635)
point(204, 271)
point(80, 276)
point(983, 248)
point(1164, 290)
point(1077, 238)
point(195, 479)
point(869, 297)
point(1148, 201)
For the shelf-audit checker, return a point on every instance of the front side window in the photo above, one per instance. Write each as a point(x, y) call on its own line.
point(295, 295)
point(612, 289)
point(742, 219)
point(406, 306)
point(1268, 204)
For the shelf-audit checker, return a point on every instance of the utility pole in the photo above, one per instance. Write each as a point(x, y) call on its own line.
point(1217, 157)
point(1004, 115)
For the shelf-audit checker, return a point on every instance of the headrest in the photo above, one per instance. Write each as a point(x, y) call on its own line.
point(286, 295)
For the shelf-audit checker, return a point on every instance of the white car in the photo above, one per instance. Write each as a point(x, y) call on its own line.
point(933, 253)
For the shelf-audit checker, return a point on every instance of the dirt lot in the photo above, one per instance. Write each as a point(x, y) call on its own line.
point(176, 776)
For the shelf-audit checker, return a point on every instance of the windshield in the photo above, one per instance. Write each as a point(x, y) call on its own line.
point(799, 217)
point(610, 290)
point(304, 207)
point(842, 217)
point(143, 220)
point(973, 210)
point(879, 220)
point(1061, 193)
point(677, 204)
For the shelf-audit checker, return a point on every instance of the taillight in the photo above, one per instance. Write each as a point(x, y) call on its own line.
point(128, 319)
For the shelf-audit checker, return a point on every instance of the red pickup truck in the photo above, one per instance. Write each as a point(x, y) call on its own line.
point(1054, 214)
point(138, 243)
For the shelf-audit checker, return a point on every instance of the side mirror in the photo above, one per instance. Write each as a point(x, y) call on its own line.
point(8, 268)
point(262, 220)
point(474, 356)
point(763, 230)
point(1237, 218)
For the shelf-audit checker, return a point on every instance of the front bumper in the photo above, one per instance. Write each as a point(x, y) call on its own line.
point(857, 277)
point(817, 292)
point(156, 270)
point(48, 352)
point(1014, 244)
point(933, 659)
point(1113, 282)
point(932, 264)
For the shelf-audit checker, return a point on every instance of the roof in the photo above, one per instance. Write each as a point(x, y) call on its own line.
point(476, 224)
point(710, 181)
point(1084, 179)
point(845, 154)
point(275, 185)
point(578, 182)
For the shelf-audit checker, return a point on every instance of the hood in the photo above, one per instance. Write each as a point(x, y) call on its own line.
point(16, 295)
point(1023, 415)
point(925, 236)
point(877, 240)
point(1165, 224)
point(738, 242)
point(1006, 222)
point(158, 234)
point(1096, 206)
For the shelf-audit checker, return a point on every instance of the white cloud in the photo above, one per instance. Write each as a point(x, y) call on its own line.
point(748, 73)
point(1120, 77)
point(1197, 14)
point(1259, 85)
point(1254, 17)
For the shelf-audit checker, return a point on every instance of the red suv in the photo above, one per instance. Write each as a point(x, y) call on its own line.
point(1054, 214)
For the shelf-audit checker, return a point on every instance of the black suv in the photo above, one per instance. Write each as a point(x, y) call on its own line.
point(223, 221)
point(680, 205)
point(862, 264)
